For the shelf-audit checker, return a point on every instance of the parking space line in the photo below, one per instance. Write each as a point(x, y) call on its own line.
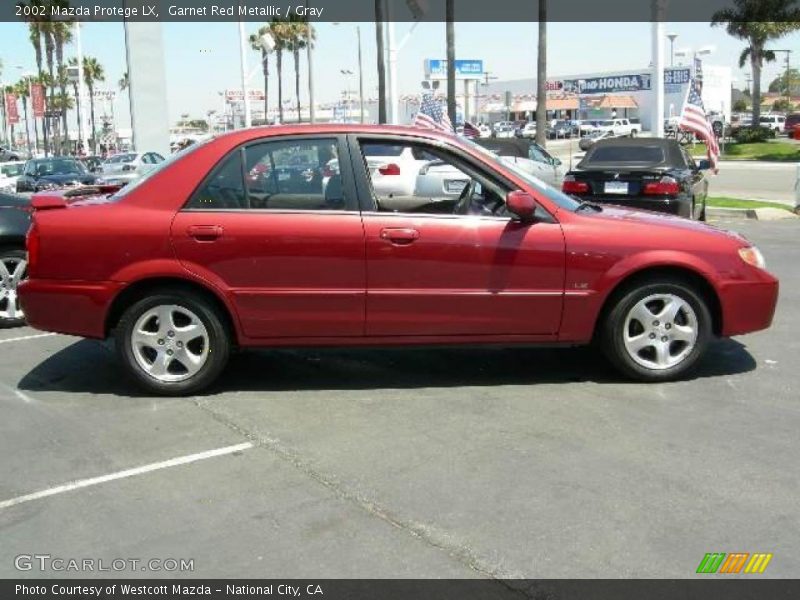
point(82, 483)
point(27, 337)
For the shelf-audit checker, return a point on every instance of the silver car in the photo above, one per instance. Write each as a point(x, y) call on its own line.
point(124, 168)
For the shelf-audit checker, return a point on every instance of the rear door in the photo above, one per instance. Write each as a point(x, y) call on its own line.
point(457, 265)
point(282, 236)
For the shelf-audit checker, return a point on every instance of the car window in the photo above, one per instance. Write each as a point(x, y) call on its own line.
point(619, 153)
point(11, 170)
point(277, 175)
point(383, 150)
point(539, 155)
point(444, 185)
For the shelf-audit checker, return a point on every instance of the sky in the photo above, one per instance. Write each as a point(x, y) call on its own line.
point(202, 59)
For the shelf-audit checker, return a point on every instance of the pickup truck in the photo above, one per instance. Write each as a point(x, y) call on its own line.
point(620, 127)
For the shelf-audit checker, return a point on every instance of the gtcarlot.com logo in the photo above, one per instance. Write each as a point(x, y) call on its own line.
point(730, 564)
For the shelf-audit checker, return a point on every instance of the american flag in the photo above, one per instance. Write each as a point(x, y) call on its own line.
point(470, 131)
point(693, 118)
point(431, 115)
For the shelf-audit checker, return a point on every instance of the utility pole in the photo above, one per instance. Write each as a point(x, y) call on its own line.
point(360, 74)
point(788, 83)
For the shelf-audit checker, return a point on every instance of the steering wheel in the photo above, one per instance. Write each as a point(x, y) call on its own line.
point(464, 199)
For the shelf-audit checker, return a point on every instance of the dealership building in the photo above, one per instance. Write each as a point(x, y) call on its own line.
point(602, 95)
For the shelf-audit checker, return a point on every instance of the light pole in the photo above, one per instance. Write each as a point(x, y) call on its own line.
point(83, 122)
point(347, 74)
point(788, 83)
point(672, 37)
point(418, 8)
point(243, 59)
point(657, 46)
point(27, 76)
point(360, 71)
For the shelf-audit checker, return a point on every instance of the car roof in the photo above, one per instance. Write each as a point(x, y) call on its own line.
point(672, 150)
point(253, 133)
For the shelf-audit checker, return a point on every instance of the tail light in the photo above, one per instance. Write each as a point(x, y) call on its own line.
point(390, 169)
point(32, 244)
point(571, 186)
point(666, 186)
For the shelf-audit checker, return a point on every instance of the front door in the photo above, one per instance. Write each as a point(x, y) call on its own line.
point(448, 260)
point(277, 228)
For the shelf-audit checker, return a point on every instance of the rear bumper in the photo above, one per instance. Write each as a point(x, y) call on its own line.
point(69, 307)
point(679, 206)
point(748, 306)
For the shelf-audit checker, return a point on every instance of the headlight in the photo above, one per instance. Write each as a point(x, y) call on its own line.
point(752, 256)
point(42, 187)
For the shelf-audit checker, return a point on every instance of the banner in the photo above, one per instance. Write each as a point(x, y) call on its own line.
point(37, 100)
point(11, 109)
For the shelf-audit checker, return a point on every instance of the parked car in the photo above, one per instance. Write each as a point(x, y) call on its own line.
point(529, 130)
point(92, 163)
point(14, 223)
point(654, 174)
point(594, 137)
point(587, 127)
point(485, 131)
point(792, 120)
point(124, 168)
point(504, 130)
point(52, 173)
point(619, 127)
point(775, 123)
point(9, 173)
point(179, 279)
point(528, 156)
point(562, 129)
point(10, 154)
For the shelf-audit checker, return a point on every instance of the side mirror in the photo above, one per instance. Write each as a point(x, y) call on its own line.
point(703, 165)
point(521, 204)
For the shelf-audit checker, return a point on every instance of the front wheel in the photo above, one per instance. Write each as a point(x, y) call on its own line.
point(173, 342)
point(13, 265)
point(657, 331)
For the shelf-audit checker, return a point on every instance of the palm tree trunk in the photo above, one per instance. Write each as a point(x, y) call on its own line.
point(297, 80)
point(541, 77)
point(48, 45)
point(451, 60)
point(78, 109)
point(279, 60)
point(91, 109)
point(265, 68)
point(62, 86)
point(27, 129)
point(755, 65)
point(381, 61)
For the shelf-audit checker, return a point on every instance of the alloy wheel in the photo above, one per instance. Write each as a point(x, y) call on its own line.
point(170, 343)
point(660, 331)
point(12, 271)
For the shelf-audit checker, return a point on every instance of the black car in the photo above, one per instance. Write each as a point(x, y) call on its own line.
point(655, 174)
point(53, 173)
point(15, 219)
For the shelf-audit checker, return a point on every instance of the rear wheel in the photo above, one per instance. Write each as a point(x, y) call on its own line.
point(173, 342)
point(657, 331)
point(13, 268)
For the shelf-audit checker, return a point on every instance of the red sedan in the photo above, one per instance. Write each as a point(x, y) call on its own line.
point(275, 237)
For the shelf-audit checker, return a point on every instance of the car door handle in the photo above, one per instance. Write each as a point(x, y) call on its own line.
point(205, 233)
point(400, 236)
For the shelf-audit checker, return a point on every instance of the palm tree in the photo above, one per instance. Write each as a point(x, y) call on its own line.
point(9, 89)
point(62, 35)
point(22, 90)
point(35, 35)
point(541, 77)
point(255, 44)
point(757, 22)
point(124, 82)
point(93, 73)
point(450, 36)
point(280, 33)
point(379, 16)
point(299, 35)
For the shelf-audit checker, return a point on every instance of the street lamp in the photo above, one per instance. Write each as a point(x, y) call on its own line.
point(672, 37)
point(360, 72)
point(347, 73)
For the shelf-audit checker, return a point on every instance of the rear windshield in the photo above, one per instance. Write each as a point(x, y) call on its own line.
point(626, 154)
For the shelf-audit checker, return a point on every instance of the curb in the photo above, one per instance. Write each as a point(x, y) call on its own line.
point(760, 214)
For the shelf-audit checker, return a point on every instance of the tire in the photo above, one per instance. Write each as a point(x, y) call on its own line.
point(702, 216)
point(633, 133)
point(622, 330)
point(13, 267)
point(173, 342)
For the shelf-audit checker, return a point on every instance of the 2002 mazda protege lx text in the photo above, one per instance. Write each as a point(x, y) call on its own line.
point(270, 237)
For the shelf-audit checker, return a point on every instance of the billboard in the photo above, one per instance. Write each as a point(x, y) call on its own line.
point(465, 69)
point(674, 79)
point(236, 95)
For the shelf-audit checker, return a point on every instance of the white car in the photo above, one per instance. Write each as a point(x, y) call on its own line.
point(773, 122)
point(9, 173)
point(485, 131)
point(124, 168)
point(529, 131)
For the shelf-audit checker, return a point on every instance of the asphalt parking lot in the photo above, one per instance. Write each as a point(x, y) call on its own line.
point(410, 463)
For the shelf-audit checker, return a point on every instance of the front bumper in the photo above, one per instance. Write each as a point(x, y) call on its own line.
point(748, 306)
point(69, 307)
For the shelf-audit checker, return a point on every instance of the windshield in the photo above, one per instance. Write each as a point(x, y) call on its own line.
point(58, 166)
point(554, 195)
point(12, 170)
point(157, 169)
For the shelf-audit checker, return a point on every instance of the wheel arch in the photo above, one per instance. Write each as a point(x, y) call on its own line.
point(680, 272)
point(141, 288)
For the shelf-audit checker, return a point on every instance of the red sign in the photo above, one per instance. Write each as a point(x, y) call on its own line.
point(11, 109)
point(37, 99)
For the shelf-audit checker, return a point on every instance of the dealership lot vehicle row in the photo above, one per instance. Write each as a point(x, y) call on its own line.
point(393, 463)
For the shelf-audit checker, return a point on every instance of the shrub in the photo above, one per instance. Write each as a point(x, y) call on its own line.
point(746, 135)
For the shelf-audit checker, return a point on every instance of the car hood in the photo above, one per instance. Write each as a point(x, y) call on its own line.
point(650, 219)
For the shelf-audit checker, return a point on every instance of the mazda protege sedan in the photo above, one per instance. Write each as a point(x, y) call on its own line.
point(253, 239)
